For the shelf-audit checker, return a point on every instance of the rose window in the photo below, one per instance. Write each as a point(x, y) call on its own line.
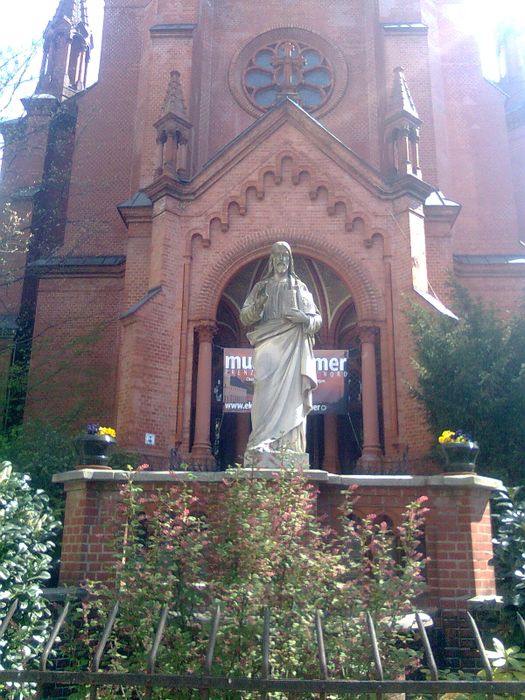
point(288, 68)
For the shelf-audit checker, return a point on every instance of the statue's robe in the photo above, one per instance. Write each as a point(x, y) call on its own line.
point(285, 372)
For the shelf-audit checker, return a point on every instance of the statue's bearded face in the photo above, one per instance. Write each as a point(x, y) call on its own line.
point(281, 260)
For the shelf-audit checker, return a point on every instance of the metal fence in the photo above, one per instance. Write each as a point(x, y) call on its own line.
point(263, 685)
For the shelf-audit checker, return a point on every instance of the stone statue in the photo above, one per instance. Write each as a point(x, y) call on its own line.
point(285, 319)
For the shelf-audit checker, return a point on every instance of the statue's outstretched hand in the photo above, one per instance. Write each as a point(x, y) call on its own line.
point(296, 316)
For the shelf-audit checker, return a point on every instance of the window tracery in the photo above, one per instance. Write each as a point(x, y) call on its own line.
point(288, 61)
point(290, 68)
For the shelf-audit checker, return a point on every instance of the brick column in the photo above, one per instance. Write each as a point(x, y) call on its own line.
point(331, 456)
point(201, 444)
point(371, 446)
point(90, 528)
point(242, 435)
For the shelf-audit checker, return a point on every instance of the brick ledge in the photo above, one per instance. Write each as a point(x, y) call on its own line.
point(342, 480)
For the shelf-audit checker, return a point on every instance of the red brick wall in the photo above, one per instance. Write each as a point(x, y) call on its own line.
point(457, 532)
point(458, 536)
point(75, 350)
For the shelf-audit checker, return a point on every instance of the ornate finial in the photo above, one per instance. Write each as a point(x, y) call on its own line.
point(400, 98)
point(174, 101)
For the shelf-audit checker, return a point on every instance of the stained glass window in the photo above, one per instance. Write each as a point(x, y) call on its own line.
point(288, 68)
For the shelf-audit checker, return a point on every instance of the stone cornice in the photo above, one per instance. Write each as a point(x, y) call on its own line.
point(489, 266)
point(458, 481)
point(446, 214)
point(405, 28)
point(79, 266)
point(178, 31)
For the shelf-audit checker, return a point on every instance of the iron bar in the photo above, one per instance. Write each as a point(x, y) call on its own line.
point(375, 648)
point(321, 651)
point(521, 623)
point(54, 634)
point(100, 648)
point(211, 647)
point(271, 685)
point(152, 656)
point(482, 652)
point(265, 667)
point(7, 618)
point(50, 642)
point(428, 652)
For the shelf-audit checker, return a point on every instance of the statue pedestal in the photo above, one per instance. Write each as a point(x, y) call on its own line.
point(254, 459)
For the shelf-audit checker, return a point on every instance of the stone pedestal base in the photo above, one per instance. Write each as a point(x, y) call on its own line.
point(254, 459)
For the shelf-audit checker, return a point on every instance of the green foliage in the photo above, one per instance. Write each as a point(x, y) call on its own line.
point(507, 664)
point(260, 545)
point(509, 545)
point(26, 528)
point(41, 450)
point(126, 460)
point(471, 375)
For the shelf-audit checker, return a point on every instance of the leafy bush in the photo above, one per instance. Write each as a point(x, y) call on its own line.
point(507, 664)
point(26, 545)
point(471, 374)
point(41, 450)
point(259, 545)
point(509, 545)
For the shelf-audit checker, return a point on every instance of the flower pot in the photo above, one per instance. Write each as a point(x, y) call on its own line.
point(460, 456)
point(95, 450)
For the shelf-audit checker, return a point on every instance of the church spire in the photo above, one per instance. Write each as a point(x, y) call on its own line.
point(67, 46)
point(402, 124)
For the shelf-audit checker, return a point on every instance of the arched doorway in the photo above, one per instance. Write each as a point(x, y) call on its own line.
point(334, 440)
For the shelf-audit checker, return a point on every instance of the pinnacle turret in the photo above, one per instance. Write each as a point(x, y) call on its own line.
point(173, 132)
point(75, 10)
point(67, 47)
point(402, 124)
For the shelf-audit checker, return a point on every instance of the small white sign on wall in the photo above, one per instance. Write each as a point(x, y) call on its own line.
point(149, 439)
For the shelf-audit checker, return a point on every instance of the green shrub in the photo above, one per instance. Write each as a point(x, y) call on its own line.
point(249, 545)
point(27, 526)
point(471, 376)
point(41, 450)
point(509, 545)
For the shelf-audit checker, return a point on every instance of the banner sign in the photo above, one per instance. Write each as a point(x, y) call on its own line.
point(329, 397)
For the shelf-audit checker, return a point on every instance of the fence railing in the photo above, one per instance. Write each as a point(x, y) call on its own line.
point(148, 680)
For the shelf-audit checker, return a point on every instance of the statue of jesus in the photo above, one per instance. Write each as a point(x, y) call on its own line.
point(285, 319)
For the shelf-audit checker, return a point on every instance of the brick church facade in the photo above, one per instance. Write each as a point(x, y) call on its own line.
point(363, 133)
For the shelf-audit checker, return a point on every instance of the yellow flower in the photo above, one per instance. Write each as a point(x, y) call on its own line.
point(107, 431)
point(446, 436)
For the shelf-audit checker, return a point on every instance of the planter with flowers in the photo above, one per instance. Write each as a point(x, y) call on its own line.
point(95, 446)
point(459, 450)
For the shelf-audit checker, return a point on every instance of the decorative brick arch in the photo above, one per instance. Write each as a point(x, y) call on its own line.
point(300, 166)
point(368, 300)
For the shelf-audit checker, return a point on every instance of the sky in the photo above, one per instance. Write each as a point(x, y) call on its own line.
point(24, 21)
